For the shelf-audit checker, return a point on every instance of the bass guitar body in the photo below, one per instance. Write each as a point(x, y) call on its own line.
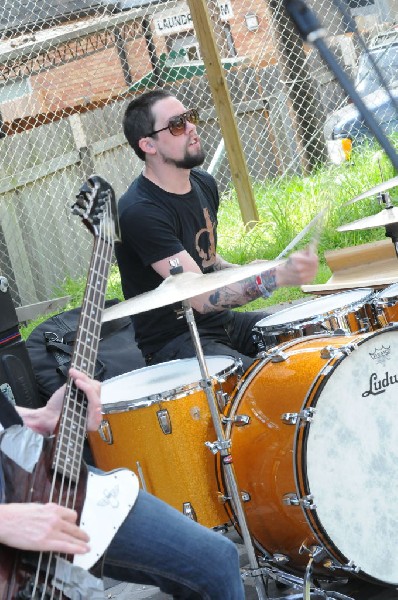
point(103, 500)
point(18, 568)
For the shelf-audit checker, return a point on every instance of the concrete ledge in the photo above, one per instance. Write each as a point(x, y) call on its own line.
point(31, 311)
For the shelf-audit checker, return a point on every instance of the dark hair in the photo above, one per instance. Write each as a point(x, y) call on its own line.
point(138, 119)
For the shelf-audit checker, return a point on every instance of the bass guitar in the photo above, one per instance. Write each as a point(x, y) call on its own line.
point(52, 469)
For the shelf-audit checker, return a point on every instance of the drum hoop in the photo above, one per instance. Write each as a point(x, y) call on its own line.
point(300, 442)
point(176, 393)
point(315, 319)
point(382, 293)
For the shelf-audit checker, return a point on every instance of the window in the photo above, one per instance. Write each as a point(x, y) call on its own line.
point(182, 49)
point(359, 3)
point(14, 89)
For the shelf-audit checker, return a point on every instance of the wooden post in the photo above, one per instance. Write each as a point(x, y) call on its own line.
point(222, 100)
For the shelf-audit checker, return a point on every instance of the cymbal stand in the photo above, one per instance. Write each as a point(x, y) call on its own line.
point(391, 228)
point(222, 445)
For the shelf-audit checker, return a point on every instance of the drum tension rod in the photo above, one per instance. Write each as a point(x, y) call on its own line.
point(238, 420)
point(306, 415)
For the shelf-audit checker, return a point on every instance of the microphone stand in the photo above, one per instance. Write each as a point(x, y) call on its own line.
point(311, 31)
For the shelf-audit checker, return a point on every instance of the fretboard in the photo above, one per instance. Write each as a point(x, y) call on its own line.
point(73, 424)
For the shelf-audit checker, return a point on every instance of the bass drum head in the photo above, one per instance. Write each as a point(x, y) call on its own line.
point(350, 452)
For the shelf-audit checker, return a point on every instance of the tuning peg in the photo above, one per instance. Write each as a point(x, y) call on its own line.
point(76, 210)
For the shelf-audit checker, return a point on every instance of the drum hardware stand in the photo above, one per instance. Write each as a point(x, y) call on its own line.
point(222, 445)
point(141, 475)
point(307, 590)
point(316, 552)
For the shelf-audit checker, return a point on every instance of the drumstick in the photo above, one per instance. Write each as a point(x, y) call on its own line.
point(318, 228)
point(318, 220)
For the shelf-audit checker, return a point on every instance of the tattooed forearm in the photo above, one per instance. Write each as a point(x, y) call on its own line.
point(232, 296)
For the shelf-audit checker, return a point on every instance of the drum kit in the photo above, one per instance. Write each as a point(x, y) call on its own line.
point(299, 453)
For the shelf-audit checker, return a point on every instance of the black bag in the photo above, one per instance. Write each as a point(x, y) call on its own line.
point(50, 348)
point(17, 380)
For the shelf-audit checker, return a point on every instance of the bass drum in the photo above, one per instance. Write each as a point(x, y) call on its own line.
point(317, 464)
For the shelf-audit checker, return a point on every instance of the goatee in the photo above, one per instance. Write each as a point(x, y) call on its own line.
point(189, 161)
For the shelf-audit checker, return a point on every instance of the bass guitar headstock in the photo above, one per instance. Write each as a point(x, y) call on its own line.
point(96, 205)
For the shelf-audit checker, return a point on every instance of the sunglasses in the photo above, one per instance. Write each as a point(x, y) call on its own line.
point(176, 125)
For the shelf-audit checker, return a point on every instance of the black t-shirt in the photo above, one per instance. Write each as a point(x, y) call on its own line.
point(155, 224)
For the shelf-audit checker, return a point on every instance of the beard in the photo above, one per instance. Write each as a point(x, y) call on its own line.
point(188, 161)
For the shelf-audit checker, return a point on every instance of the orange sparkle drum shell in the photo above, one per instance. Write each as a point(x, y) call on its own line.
point(314, 483)
point(350, 311)
point(156, 421)
point(386, 305)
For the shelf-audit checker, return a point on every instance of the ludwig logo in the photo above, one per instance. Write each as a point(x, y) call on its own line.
point(381, 355)
point(378, 386)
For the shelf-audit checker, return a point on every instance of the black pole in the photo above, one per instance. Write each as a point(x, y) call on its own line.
point(121, 50)
point(311, 31)
point(152, 51)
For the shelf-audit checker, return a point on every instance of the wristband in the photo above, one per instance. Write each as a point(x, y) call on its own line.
point(266, 282)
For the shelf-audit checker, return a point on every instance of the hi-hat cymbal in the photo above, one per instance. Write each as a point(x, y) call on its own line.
point(382, 187)
point(183, 286)
point(387, 216)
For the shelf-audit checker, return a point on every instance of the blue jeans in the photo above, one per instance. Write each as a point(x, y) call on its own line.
point(157, 545)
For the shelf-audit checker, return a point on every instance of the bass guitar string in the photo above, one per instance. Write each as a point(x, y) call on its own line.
point(102, 255)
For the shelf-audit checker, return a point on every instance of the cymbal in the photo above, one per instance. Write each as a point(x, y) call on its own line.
point(382, 187)
point(183, 286)
point(387, 216)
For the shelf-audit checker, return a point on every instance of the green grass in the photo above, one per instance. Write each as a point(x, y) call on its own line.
point(285, 207)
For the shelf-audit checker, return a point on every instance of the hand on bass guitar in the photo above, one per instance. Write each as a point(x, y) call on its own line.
point(50, 527)
point(45, 419)
point(42, 527)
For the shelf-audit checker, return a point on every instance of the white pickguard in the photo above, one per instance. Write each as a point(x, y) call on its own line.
point(109, 498)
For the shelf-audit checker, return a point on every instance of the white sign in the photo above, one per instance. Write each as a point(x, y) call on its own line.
point(167, 23)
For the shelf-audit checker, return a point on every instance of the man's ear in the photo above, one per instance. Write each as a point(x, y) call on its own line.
point(146, 144)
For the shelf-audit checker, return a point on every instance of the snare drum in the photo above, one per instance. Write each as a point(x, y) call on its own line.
point(349, 311)
point(317, 463)
point(386, 305)
point(156, 421)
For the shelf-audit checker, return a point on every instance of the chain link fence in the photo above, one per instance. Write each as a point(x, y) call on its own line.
point(68, 68)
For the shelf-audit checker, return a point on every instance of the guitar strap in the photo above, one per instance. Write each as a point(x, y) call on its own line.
point(8, 414)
